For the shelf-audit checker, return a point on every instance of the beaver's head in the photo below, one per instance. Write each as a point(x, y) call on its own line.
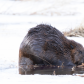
point(77, 53)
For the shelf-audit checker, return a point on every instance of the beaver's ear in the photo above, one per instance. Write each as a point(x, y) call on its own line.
point(71, 46)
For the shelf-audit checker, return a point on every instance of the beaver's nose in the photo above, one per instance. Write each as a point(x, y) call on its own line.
point(83, 59)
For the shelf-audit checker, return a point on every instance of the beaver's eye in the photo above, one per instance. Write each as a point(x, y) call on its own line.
point(80, 52)
point(72, 47)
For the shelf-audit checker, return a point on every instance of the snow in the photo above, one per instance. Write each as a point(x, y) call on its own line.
point(17, 17)
point(41, 79)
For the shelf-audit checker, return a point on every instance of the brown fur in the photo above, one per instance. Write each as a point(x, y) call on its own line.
point(46, 45)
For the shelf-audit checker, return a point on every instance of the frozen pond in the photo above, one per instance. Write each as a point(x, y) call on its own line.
point(56, 71)
point(13, 28)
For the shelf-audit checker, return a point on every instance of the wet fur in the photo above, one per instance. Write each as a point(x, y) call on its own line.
point(46, 45)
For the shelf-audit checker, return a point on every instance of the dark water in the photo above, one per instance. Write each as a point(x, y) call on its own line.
point(56, 71)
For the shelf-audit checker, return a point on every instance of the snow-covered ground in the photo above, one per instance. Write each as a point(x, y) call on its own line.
point(17, 17)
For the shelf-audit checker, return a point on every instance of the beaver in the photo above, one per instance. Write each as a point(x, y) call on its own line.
point(46, 45)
